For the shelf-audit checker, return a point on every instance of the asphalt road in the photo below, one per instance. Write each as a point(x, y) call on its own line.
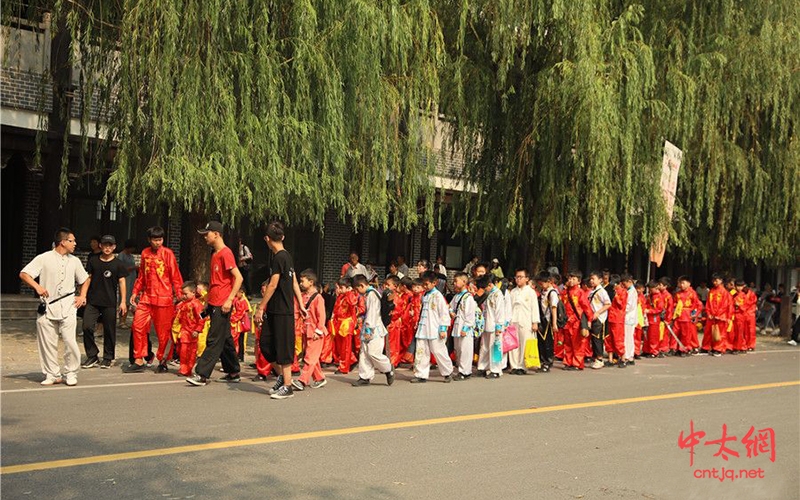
point(564, 435)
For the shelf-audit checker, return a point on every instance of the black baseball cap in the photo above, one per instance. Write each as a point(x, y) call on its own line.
point(108, 239)
point(211, 226)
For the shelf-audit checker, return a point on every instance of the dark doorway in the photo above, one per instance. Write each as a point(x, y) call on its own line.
point(14, 174)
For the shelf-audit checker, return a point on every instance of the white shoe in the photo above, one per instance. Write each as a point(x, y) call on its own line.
point(597, 365)
point(792, 342)
point(72, 380)
point(51, 380)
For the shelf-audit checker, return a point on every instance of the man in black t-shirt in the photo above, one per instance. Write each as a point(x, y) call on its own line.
point(277, 334)
point(106, 272)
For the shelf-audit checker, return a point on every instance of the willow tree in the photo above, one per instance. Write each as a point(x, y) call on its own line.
point(562, 108)
point(261, 108)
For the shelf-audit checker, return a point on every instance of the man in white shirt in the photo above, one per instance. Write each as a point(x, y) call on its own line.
point(58, 271)
point(353, 268)
point(601, 303)
point(524, 317)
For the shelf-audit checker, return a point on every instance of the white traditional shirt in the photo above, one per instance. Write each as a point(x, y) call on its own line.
point(524, 308)
point(434, 316)
point(494, 308)
point(373, 324)
point(58, 274)
point(463, 306)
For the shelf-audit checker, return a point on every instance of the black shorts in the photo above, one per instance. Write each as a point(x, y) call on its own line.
point(277, 339)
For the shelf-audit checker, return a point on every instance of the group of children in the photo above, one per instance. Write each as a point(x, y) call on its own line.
point(489, 328)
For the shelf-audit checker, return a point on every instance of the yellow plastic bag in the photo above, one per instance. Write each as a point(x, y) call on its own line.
point(532, 353)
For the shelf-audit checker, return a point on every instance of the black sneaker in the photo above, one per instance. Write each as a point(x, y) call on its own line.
point(716, 354)
point(390, 377)
point(260, 378)
point(134, 368)
point(297, 385)
point(105, 364)
point(360, 383)
point(277, 386)
point(197, 380)
point(162, 368)
point(480, 373)
point(417, 380)
point(230, 377)
point(285, 392)
point(149, 360)
point(544, 369)
point(632, 362)
point(90, 363)
point(447, 379)
point(459, 376)
point(622, 364)
point(492, 376)
point(660, 355)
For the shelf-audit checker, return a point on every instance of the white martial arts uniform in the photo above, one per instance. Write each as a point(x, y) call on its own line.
point(494, 308)
point(463, 307)
point(631, 319)
point(58, 274)
point(524, 313)
point(434, 320)
point(371, 356)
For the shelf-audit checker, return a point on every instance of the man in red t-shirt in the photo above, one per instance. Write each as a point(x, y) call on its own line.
point(153, 297)
point(225, 282)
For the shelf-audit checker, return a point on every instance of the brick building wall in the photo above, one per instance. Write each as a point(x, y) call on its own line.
point(25, 90)
point(174, 235)
point(335, 247)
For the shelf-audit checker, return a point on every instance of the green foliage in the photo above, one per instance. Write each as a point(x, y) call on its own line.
point(562, 108)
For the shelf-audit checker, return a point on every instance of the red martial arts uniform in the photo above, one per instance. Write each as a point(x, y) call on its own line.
point(744, 309)
point(719, 309)
point(615, 342)
point(342, 328)
point(576, 305)
point(395, 329)
point(191, 324)
point(263, 367)
point(653, 309)
point(749, 319)
point(410, 327)
point(669, 343)
point(314, 332)
point(637, 333)
point(159, 281)
point(239, 310)
point(686, 303)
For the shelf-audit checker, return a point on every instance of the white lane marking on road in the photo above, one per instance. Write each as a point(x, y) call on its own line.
point(96, 386)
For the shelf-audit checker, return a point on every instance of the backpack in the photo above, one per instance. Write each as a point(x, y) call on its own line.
point(561, 312)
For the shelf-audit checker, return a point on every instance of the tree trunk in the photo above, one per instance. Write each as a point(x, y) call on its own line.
point(200, 257)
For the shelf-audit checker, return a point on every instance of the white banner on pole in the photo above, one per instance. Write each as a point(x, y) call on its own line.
point(670, 167)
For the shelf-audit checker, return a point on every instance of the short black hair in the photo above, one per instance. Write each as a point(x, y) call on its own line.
point(740, 283)
point(429, 277)
point(652, 284)
point(684, 277)
point(716, 276)
point(596, 274)
point(392, 278)
point(484, 281)
point(191, 285)
point(275, 231)
point(625, 277)
point(416, 282)
point(461, 274)
point(424, 263)
point(155, 232)
point(665, 281)
point(345, 282)
point(359, 279)
point(544, 277)
point(130, 244)
point(523, 270)
point(310, 275)
point(407, 282)
point(575, 273)
point(61, 235)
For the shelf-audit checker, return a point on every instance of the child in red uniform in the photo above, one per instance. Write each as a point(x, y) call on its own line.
point(741, 318)
point(263, 367)
point(615, 341)
point(750, 310)
point(687, 308)
point(343, 324)
point(239, 325)
point(719, 310)
point(190, 322)
point(669, 344)
point(392, 284)
point(314, 333)
point(577, 307)
point(411, 320)
point(653, 310)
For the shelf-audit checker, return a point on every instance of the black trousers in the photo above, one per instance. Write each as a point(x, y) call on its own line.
point(598, 335)
point(108, 317)
point(219, 344)
point(546, 345)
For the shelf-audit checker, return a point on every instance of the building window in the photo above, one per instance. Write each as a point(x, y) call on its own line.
point(99, 211)
point(112, 214)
